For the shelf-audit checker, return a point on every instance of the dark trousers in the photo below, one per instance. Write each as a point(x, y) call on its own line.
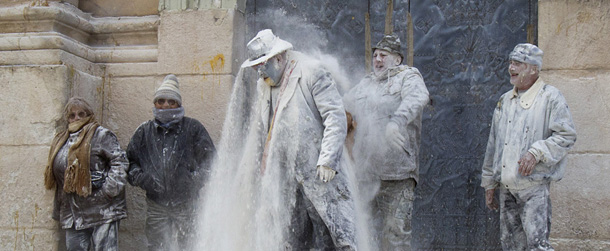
point(169, 228)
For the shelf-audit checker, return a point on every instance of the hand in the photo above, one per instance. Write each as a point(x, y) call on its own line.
point(325, 173)
point(527, 164)
point(393, 136)
point(490, 201)
point(97, 179)
point(351, 124)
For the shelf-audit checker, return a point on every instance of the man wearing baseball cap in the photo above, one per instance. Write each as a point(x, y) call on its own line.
point(386, 108)
point(531, 134)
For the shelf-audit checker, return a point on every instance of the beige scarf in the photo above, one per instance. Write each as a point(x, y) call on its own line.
point(77, 177)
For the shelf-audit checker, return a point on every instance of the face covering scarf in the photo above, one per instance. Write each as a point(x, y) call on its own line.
point(167, 117)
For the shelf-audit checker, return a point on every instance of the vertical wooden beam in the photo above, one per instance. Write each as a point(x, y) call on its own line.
point(410, 51)
point(530, 33)
point(388, 18)
point(367, 43)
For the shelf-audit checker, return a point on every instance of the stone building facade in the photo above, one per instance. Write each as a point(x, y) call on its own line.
point(114, 53)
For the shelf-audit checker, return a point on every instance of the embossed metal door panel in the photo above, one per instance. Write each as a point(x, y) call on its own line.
point(461, 48)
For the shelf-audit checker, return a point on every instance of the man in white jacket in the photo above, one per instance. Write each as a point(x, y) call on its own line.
point(386, 107)
point(531, 134)
point(302, 128)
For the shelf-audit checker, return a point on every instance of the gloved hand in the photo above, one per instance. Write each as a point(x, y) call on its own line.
point(393, 136)
point(325, 173)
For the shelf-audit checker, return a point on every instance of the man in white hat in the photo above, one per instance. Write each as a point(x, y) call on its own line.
point(387, 107)
point(531, 134)
point(170, 157)
point(303, 128)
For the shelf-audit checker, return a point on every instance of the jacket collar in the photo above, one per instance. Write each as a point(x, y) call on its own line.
point(171, 125)
point(528, 98)
point(294, 74)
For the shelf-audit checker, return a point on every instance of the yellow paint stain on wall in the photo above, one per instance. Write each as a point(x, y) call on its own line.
point(218, 63)
point(23, 238)
point(216, 66)
point(582, 17)
point(16, 221)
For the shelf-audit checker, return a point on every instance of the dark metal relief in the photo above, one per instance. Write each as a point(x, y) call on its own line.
point(461, 48)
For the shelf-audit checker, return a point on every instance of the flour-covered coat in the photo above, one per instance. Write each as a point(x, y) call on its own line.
point(400, 97)
point(309, 130)
point(105, 204)
point(537, 121)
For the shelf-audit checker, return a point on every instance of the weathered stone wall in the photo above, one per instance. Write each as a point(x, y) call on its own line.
point(574, 36)
point(52, 50)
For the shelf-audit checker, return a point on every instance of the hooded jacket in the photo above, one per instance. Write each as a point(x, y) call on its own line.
point(398, 96)
point(106, 203)
point(170, 164)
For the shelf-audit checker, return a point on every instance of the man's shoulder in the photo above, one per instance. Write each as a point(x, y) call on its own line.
point(193, 123)
point(145, 124)
point(551, 90)
point(186, 119)
point(307, 65)
point(505, 97)
point(409, 70)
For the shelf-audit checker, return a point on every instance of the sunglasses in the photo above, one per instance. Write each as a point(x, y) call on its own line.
point(81, 114)
point(162, 101)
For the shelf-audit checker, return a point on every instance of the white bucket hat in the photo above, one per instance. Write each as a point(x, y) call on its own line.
point(263, 47)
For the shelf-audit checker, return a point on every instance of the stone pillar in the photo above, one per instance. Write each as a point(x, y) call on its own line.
point(49, 52)
point(574, 36)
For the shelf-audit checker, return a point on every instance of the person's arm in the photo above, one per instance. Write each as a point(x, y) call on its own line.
point(414, 97)
point(563, 134)
point(205, 153)
point(487, 180)
point(136, 174)
point(329, 104)
point(117, 162)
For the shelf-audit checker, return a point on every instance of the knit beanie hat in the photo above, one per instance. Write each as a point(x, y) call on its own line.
point(169, 89)
point(527, 53)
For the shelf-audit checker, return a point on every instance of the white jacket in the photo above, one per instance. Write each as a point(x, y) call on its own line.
point(537, 121)
point(399, 97)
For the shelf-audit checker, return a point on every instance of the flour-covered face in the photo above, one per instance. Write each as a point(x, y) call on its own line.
point(76, 114)
point(271, 71)
point(382, 60)
point(522, 75)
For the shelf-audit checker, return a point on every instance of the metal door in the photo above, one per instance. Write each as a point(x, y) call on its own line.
point(461, 48)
